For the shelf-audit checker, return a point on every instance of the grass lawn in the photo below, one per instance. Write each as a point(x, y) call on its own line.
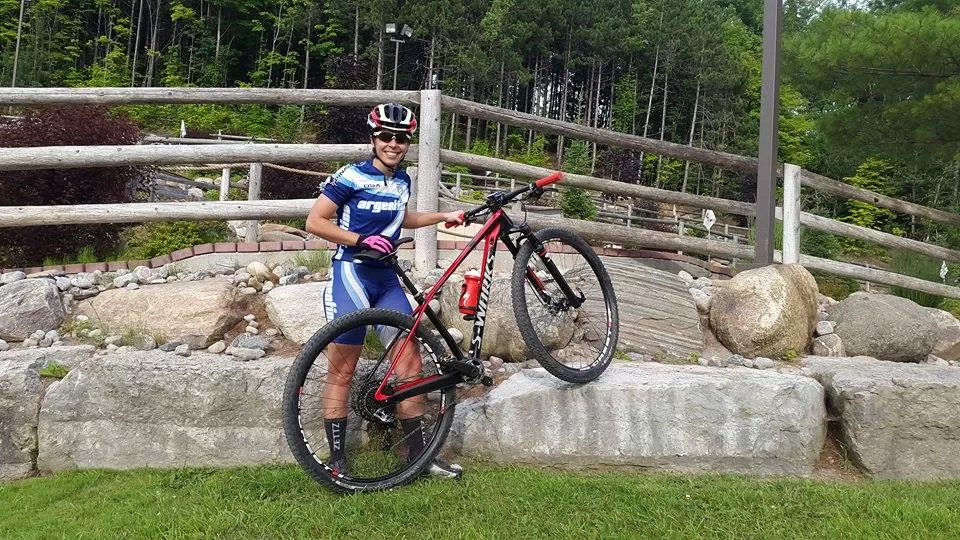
point(490, 502)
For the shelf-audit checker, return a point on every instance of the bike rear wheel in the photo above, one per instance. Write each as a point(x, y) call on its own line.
point(574, 343)
point(378, 450)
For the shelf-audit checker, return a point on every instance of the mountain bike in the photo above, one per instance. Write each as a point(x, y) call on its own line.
point(565, 309)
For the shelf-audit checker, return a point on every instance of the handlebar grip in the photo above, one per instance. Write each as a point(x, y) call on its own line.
point(547, 180)
point(463, 218)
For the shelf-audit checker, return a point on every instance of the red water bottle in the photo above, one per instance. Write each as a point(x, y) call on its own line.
point(470, 292)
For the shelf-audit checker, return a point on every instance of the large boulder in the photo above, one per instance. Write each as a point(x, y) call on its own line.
point(297, 310)
point(884, 326)
point(501, 336)
point(196, 312)
point(650, 415)
point(29, 305)
point(897, 420)
point(766, 311)
point(20, 393)
point(151, 409)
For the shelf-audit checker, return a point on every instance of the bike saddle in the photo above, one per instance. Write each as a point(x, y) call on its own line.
point(374, 255)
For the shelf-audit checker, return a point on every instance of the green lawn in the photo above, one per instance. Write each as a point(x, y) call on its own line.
point(281, 502)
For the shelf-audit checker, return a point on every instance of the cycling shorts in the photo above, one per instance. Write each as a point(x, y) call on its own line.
point(359, 286)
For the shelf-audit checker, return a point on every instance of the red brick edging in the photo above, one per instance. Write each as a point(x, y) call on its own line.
point(300, 245)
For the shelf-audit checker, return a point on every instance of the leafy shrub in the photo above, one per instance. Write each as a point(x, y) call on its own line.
point(64, 126)
point(835, 287)
point(577, 204)
point(162, 237)
point(620, 165)
point(819, 244)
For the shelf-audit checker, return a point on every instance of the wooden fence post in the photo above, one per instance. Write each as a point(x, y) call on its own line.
point(224, 184)
point(253, 194)
point(414, 173)
point(791, 213)
point(428, 180)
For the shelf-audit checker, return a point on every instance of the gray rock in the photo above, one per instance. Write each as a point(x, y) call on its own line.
point(217, 347)
point(897, 420)
point(685, 277)
point(45, 342)
point(112, 340)
point(143, 274)
point(4, 346)
point(935, 360)
point(83, 294)
point(683, 418)
point(247, 290)
point(132, 286)
point(83, 281)
point(241, 276)
point(52, 335)
point(289, 279)
point(885, 327)
point(242, 353)
point(824, 328)
point(271, 332)
point(63, 283)
point(701, 283)
point(123, 280)
point(182, 350)
point(246, 341)
point(766, 311)
point(29, 304)
point(9, 277)
point(201, 411)
point(701, 300)
point(267, 287)
point(763, 363)
point(948, 335)
point(144, 342)
point(249, 317)
point(170, 346)
point(828, 345)
point(297, 310)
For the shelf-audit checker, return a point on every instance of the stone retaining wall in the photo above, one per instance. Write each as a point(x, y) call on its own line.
point(155, 409)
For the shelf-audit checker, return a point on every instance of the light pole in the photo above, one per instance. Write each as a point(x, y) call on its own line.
point(397, 37)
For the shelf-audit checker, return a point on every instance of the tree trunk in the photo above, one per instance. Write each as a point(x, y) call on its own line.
point(380, 59)
point(356, 34)
point(693, 127)
point(216, 50)
point(433, 42)
point(564, 94)
point(653, 88)
point(596, 116)
point(533, 100)
point(154, 35)
point(496, 145)
point(663, 116)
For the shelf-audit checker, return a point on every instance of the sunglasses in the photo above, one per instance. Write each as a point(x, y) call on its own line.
point(387, 136)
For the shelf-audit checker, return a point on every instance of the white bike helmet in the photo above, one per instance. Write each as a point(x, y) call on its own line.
point(392, 117)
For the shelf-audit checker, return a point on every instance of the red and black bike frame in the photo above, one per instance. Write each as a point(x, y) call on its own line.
point(498, 227)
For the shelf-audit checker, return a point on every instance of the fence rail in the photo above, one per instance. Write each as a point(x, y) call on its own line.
point(430, 155)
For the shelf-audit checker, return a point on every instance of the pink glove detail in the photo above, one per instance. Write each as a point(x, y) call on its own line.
point(375, 242)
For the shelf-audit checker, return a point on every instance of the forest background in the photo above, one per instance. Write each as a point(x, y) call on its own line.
point(870, 90)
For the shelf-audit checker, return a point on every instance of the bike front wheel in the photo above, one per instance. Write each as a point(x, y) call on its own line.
point(565, 305)
point(382, 446)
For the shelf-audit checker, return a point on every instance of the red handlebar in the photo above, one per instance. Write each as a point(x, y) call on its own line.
point(452, 225)
point(547, 180)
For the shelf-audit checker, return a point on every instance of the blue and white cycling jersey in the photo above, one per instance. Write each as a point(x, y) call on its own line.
point(367, 202)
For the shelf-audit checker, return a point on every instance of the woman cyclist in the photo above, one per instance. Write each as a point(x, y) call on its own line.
point(363, 206)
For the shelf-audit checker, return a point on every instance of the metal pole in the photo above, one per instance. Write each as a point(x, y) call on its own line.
point(396, 56)
point(16, 49)
point(769, 101)
point(428, 179)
